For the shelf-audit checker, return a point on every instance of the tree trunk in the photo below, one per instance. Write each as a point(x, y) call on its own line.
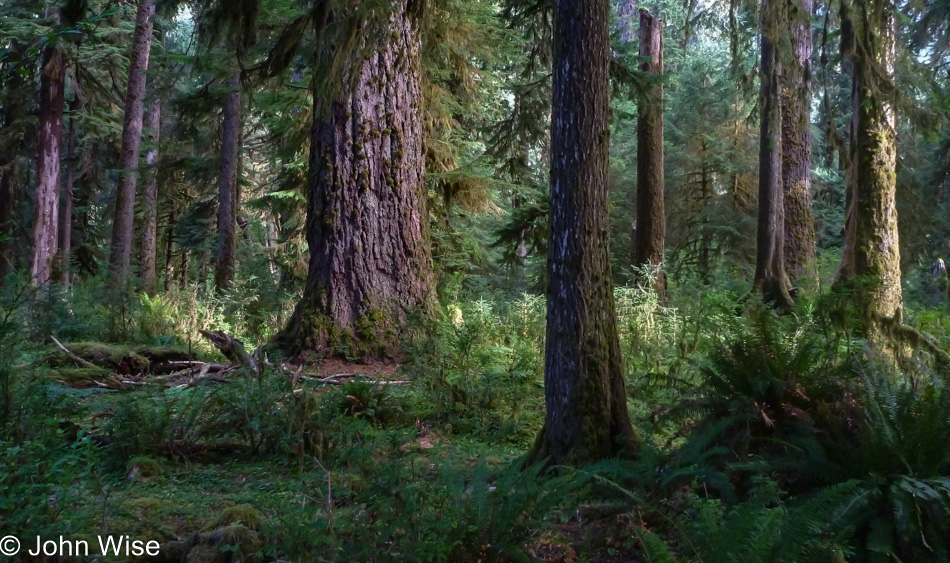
point(120, 257)
point(651, 214)
point(796, 144)
point(876, 250)
point(370, 261)
point(227, 188)
point(46, 202)
point(66, 231)
point(770, 277)
point(150, 219)
point(14, 114)
point(585, 393)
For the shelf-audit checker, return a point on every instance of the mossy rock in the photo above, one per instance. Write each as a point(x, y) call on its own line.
point(239, 514)
point(229, 544)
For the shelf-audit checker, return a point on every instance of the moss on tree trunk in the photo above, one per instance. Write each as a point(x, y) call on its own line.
point(370, 264)
point(585, 393)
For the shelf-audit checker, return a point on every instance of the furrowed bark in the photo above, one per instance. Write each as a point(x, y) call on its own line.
point(770, 277)
point(150, 205)
point(799, 247)
point(46, 202)
point(651, 213)
point(120, 256)
point(224, 265)
point(585, 393)
point(370, 263)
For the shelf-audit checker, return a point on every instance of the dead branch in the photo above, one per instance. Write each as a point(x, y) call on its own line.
point(74, 357)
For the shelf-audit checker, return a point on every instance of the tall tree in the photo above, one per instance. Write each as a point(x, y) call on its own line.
point(370, 261)
point(120, 257)
point(770, 277)
point(227, 187)
point(870, 45)
point(66, 231)
point(46, 201)
point(585, 393)
point(14, 126)
point(799, 248)
point(150, 204)
point(651, 212)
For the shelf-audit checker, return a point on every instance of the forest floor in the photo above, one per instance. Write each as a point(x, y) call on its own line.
point(184, 467)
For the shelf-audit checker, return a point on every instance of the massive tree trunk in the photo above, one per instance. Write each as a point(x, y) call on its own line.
point(651, 213)
point(66, 230)
point(227, 188)
point(796, 143)
point(770, 277)
point(46, 202)
point(585, 394)
point(120, 257)
point(150, 205)
point(370, 261)
point(876, 250)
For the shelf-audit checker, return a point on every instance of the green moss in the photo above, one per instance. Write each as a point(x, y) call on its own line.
point(145, 467)
point(234, 543)
point(244, 514)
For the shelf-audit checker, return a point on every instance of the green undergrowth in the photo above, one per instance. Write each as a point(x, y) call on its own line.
point(768, 438)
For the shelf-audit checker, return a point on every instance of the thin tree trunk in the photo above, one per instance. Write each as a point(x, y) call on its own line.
point(799, 248)
point(651, 213)
point(150, 220)
point(770, 277)
point(370, 263)
point(169, 242)
point(120, 257)
point(14, 115)
point(46, 202)
point(585, 394)
point(66, 238)
point(227, 188)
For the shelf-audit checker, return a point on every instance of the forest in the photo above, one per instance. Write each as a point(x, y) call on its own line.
point(475, 280)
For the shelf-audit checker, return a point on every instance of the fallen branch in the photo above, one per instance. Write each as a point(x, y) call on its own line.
point(74, 357)
point(231, 347)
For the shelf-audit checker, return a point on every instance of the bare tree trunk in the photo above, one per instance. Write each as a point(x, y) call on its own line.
point(46, 202)
point(796, 144)
point(227, 188)
point(66, 238)
point(585, 394)
point(770, 277)
point(370, 263)
point(651, 213)
point(120, 257)
point(150, 220)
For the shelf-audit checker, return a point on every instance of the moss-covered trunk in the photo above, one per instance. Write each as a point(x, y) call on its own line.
point(876, 249)
point(120, 256)
point(226, 255)
point(370, 263)
point(149, 234)
point(651, 213)
point(799, 248)
point(585, 392)
point(770, 277)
